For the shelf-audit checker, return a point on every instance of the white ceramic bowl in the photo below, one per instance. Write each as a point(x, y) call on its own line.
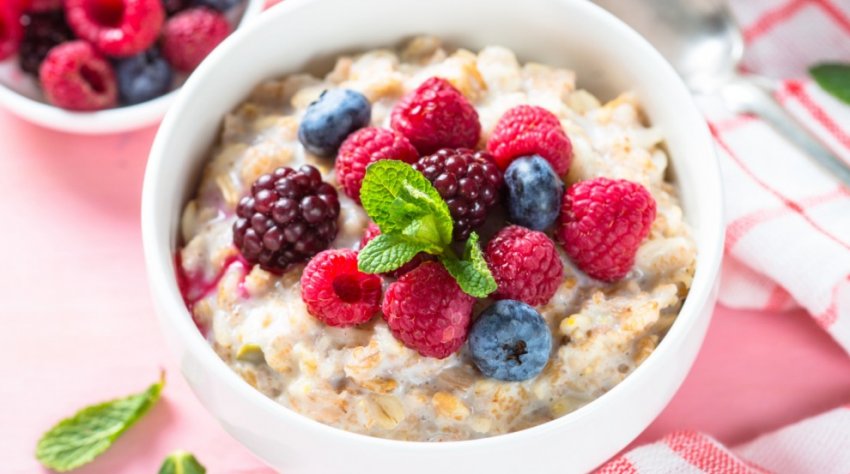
point(20, 94)
point(608, 56)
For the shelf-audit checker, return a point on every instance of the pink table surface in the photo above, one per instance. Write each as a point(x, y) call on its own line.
point(78, 325)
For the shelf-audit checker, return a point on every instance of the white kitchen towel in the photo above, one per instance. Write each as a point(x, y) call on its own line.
point(816, 445)
point(788, 222)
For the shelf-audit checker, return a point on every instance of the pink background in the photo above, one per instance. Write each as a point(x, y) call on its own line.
point(78, 324)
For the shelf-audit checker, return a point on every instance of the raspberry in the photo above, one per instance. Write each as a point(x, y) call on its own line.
point(427, 311)
point(10, 30)
point(469, 181)
point(602, 224)
point(373, 231)
point(364, 147)
point(336, 292)
point(75, 77)
point(191, 35)
point(529, 130)
point(42, 31)
point(116, 28)
point(525, 264)
point(289, 217)
point(437, 115)
point(39, 6)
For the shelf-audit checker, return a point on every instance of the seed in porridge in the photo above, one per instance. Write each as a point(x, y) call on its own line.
point(525, 264)
point(534, 192)
point(437, 115)
point(364, 147)
point(602, 224)
point(289, 216)
point(510, 341)
point(336, 292)
point(373, 231)
point(531, 130)
point(468, 180)
point(427, 311)
point(328, 121)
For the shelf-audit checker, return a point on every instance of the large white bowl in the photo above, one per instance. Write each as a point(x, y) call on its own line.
point(20, 94)
point(609, 58)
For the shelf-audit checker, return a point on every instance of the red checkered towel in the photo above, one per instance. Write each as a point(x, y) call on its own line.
point(788, 234)
point(818, 445)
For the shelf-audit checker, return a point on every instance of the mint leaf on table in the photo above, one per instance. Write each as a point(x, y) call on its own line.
point(79, 439)
point(387, 252)
point(402, 201)
point(471, 272)
point(181, 462)
point(414, 218)
point(833, 78)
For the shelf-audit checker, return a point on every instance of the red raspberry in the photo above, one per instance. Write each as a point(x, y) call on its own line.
point(11, 31)
point(373, 231)
point(602, 224)
point(436, 115)
point(117, 28)
point(427, 311)
point(364, 147)
point(528, 130)
point(525, 264)
point(191, 35)
point(336, 292)
point(75, 77)
point(40, 6)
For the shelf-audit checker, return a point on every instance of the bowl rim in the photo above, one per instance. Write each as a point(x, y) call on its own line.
point(114, 120)
point(172, 309)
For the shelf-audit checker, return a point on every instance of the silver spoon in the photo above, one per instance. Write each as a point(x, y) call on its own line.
point(705, 45)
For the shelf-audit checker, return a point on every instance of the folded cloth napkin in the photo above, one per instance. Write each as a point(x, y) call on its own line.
point(788, 232)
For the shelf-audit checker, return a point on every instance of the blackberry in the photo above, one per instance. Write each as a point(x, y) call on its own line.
point(42, 31)
point(468, 180)
point(290, 216)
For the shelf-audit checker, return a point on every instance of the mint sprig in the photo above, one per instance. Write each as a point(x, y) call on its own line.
point(834, 79)
point(414, 218)
point(79, 439)
point(181, 462)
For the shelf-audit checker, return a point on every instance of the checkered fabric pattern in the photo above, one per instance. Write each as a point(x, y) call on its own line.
point(787, 236)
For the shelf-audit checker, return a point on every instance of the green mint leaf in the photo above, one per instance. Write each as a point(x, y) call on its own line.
point(79, 439)
point(387, 252)
point(403, 202)
point(471, 272)
point(181, 462)
point(833, 78)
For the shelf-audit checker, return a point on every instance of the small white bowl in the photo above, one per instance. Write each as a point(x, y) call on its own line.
point(608, 57)
point(20, 94)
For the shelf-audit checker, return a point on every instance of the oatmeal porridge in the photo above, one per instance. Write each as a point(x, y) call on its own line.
point(373, 378)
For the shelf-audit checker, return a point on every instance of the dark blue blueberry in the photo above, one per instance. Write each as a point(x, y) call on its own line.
point(534, 192)
point(174, 6)
point(143, 77)
point(220, 5)
point(510, 341)
point(332, 118)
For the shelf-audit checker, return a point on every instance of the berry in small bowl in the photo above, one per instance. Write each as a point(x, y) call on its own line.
point(118, 31)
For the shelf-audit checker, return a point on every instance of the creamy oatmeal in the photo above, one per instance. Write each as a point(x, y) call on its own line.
point(363, 379)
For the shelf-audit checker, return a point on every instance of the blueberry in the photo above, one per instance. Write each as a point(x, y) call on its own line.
point(220, 5)
point(510, 341)
point(143, 77)
point(534, 192)
point(329, 120)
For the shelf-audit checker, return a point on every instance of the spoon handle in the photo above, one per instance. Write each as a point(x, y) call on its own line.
point(744, 95)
